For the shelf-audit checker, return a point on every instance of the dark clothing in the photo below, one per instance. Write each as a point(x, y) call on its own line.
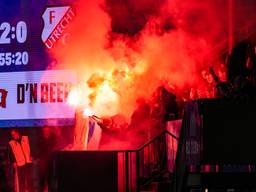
point(43, 166)
point(164, 108)
point(25, 178)
point(237, 61)
point(3, 180)
point(241, 71)
point(237, 65)
point(45, 148)
point(24, 172)
point(11, 155)
point(243, 88)
point(165, 105)
point(170, 105)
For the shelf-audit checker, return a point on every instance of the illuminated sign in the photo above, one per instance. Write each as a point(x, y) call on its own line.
point(10, 33)
point(15, 34)
point(36, 95)
point(30, 94)
point(28, 30)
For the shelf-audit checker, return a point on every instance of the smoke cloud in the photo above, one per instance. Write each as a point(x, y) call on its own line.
point(124, 49)
point(137, 45)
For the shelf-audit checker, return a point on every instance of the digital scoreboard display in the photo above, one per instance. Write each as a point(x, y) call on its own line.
point(21, 47)
point(28, 30)
point(18, 33)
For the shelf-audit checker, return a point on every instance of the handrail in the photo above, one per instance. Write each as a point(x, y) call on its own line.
point(155, 138)
point(154, 177)
point(163, 170)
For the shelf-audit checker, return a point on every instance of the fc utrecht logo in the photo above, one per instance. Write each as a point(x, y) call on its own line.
point(3, 96)
point(56, 20)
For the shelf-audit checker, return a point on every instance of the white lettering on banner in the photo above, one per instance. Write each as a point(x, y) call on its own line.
point(37, 94)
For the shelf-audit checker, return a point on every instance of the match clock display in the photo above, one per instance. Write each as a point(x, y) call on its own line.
point(9, 34)
point(33, 94)
point(17, 58)
point(28, 31)
point(21, 47)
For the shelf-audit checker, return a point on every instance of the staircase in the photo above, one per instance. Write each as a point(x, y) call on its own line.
point(156, 162)
point(150, 168)
point(215, 150)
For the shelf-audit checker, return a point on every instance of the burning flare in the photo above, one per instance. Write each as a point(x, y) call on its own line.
point(98, 94)
point(88, 112)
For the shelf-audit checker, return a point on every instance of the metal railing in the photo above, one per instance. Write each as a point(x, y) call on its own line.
point(137, 169)
point(152, 161)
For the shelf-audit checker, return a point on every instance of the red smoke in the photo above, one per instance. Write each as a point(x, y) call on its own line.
point(138, 45)
point(129, 17)
point(125, 49)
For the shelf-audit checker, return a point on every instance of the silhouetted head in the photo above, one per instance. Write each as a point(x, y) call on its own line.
point(15, 134)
